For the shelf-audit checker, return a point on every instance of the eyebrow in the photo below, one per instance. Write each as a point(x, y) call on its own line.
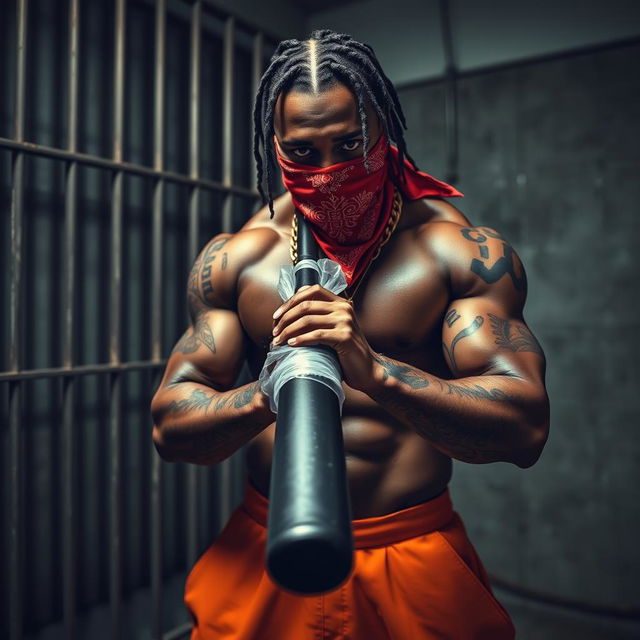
point(346, 136)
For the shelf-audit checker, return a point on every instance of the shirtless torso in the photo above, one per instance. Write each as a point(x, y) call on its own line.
point(443, 301)
point(402, 308)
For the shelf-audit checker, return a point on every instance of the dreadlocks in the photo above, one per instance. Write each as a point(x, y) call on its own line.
point(325, 59)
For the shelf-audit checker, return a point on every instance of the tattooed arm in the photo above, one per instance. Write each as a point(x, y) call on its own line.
point(197, 417)
point(495, 406)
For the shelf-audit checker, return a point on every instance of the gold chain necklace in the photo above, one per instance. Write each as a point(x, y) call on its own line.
point(396, 209)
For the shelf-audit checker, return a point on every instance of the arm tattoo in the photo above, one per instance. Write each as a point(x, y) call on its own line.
point(239, 398)
point(451, 317)
point(472, 328)
point(190, 342)
point(410, 376)
point(462, 437)
point(197, 400)
point(476, 391)
point(504, 265)
point(523, 340)
point(200, 287)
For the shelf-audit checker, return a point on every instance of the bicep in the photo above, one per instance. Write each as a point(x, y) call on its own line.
point(480, 336)
point(210, 352)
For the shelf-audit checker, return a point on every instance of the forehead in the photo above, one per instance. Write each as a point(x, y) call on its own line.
point(333, 106)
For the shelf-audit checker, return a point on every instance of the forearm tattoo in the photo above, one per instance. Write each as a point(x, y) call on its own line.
point(521, 340)
point(192, 339)
point(218, 442)
point(504, 265)
point(241, 398)
point(476, 391)
point(470, 330)
point(198, 400)
point(410, 376)
point(461, 436)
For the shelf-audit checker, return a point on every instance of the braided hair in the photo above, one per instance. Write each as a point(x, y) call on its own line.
point(324, 60)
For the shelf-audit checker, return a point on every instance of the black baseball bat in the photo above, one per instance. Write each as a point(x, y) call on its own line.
point(309, 541)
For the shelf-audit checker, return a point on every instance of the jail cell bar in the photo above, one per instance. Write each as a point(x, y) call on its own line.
point(115, 369)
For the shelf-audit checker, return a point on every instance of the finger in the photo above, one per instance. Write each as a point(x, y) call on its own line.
point(327, 337)
point(304, 293)
point(303, 326)
point(302, 309)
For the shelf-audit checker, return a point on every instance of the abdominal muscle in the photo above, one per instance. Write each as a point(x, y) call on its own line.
point(389, 466)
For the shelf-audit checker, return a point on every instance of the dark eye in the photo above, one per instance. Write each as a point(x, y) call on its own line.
point(351, 145)
point(301, 153)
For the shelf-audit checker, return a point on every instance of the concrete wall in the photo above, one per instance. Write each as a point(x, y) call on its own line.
point(280, 17)
point(406, 33)
point(549, 156)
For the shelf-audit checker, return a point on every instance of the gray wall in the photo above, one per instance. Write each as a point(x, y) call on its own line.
point(549, 156)
point(407, 37)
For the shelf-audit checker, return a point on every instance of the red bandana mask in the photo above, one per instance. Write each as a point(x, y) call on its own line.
point(349, 207)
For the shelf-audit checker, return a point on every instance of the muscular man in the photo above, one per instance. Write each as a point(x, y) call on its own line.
point(437, 362)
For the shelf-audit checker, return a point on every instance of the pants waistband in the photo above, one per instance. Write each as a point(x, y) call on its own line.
point(377, 531)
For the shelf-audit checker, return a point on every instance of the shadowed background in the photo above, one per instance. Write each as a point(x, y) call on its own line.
point(531, 109)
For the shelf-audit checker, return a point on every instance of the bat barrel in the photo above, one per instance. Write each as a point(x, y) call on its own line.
point(309, 543)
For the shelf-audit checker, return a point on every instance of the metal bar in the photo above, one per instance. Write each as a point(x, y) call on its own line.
point(158, 107)
point(156, 312)
point(16, 459)
point(16, 524)
point(83, 370)
point(21, 66)
point(225, 469)
point(193, 471)
point(156, 538)
point(195, 69)
point(115, 421)
point(213, 7)
point(451, 98)
point(118, 85)
point(115, 299)
point(194, 128)
point(227, 120)
point(115, 498)
point(256, 75)
point(125, 167)
point(227, 105)
point(68, 457)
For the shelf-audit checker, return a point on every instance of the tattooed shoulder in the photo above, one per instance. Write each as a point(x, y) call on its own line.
point(200, 288)
point(493, 257)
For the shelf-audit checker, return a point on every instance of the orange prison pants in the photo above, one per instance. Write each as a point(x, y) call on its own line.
point(416, 576)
